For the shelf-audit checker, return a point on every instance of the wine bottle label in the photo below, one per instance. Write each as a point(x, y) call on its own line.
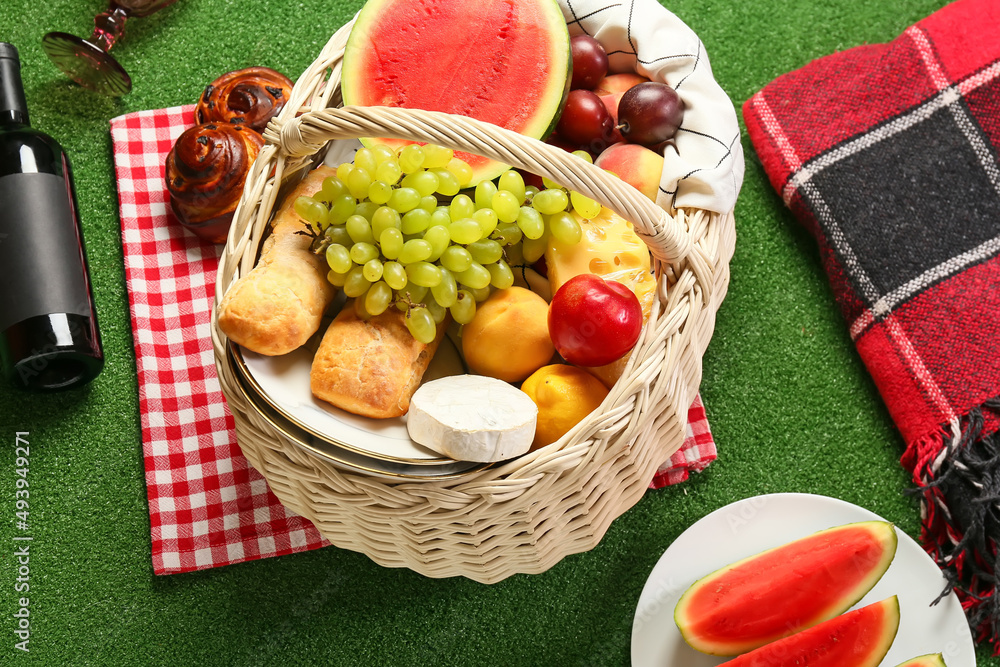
point(42, 269)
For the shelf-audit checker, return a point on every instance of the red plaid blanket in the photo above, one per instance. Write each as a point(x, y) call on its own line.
point(207, 506)
point(888, 154)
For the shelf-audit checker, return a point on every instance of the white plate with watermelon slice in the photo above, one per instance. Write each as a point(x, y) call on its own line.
point(753, 525)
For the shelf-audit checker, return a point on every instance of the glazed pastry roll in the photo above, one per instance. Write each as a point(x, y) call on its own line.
point(370, 367)
point(250, 97)
point(276, 307)
point(205, 172)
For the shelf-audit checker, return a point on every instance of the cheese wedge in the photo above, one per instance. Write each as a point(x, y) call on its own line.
point(610, 248)
point(472, 418)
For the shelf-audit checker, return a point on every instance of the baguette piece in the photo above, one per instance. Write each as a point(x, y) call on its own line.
point(370, 367)
point(276, 307)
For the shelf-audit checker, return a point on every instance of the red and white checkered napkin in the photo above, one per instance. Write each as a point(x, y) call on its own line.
point(207, 506)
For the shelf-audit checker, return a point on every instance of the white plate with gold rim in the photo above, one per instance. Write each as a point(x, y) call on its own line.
point(349, 458)
point(750, 526)
point(283, 383)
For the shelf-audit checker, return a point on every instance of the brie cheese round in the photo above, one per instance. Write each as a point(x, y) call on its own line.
point(472, 418)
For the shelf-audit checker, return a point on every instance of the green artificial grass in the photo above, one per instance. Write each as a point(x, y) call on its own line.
point(791, 407)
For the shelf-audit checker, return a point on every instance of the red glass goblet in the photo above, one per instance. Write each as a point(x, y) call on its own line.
point(87, 61)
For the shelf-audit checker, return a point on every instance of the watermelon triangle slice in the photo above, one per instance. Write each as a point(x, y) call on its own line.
point(859, 638)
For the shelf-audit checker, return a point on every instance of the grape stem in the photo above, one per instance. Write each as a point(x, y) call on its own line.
point(405, 298)
point(319, 241)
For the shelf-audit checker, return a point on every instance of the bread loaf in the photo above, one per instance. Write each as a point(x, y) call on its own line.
point(370, 367)
point(276, 307)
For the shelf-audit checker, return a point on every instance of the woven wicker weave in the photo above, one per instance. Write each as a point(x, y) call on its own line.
point(527, 514)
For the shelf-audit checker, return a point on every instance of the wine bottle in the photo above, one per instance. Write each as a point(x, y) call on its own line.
point(49, 338)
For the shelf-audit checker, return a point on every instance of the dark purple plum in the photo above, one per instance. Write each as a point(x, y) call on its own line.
point(649, 113)
point(590, 62)
point(585, 121)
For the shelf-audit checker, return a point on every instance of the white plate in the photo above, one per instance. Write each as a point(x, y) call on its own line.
point(750, 526)
point(283, 382)
point(348, 459)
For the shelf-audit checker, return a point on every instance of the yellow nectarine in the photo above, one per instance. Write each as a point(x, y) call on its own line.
point(509, 336)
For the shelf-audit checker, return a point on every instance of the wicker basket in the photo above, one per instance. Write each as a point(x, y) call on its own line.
point(525, 515)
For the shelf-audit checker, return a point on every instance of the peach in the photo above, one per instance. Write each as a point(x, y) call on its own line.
point(636, 165)
point(618, 83)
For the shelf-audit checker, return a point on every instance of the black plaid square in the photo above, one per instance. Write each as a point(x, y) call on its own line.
point(915, 200)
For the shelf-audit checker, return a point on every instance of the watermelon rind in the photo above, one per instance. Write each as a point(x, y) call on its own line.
point(859, 638)
point(798, 584)
point(929, 660)
point(505, 62)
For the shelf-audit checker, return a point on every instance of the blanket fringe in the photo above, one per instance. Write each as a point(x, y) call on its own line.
point(957, 472)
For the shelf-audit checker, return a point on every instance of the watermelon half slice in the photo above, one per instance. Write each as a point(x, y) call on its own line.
point(506, 62)
point(859, 638)
point(781, 591)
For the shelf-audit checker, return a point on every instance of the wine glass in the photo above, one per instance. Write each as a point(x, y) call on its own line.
point(87, 61)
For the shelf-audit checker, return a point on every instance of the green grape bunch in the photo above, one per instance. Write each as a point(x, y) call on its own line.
point(400, 228)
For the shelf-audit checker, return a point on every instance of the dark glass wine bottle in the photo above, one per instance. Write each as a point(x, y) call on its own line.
point(49, 338)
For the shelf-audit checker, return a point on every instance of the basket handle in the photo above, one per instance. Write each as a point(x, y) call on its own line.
point(666, 237)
